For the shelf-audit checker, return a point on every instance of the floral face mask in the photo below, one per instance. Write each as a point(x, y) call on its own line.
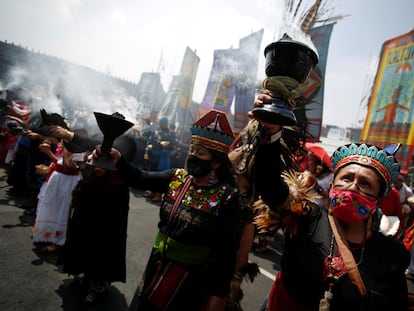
point(350, 206)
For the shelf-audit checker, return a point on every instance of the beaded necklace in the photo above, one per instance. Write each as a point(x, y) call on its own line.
point(336, 269)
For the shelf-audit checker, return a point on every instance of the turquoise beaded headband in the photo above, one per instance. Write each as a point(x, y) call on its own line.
point(380, 160)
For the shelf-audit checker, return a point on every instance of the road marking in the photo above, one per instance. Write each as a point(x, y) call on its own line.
point(267, 274)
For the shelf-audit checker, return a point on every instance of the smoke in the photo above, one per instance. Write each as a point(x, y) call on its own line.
point(73, 91)
point(76, 92)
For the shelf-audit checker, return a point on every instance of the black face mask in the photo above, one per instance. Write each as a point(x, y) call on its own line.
point(198, 167)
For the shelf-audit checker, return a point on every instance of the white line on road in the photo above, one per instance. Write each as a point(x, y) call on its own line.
point(267, 274)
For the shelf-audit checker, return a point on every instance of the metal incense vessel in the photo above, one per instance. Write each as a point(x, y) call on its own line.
point(111, 126)
point(285, 58)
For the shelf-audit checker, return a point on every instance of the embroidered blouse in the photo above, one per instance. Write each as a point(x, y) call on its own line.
point(207, 216)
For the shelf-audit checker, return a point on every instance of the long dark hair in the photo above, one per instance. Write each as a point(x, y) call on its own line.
point(224, 172)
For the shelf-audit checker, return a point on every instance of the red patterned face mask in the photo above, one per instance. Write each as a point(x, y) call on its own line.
point(350, 206)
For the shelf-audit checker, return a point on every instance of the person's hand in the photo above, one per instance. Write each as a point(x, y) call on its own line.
point(114, 154)
point(60, 132)
point(33, 135)
point(235, 294)
point(45, 147)
point(164, 143)
point(264, 98)
point(42, 169)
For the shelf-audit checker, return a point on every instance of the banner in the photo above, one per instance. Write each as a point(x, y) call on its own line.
point(186, 80)
point(309, 104)
point(232, 79)
point(391, 104)
point(168, 110)
point(248, 59)
point(221, 85)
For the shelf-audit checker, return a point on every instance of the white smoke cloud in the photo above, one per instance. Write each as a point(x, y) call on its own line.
point(73, 91)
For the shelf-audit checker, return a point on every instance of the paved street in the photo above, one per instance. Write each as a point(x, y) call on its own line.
point(34, 281)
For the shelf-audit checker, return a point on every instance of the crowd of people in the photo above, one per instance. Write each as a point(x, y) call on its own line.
point(342, 250)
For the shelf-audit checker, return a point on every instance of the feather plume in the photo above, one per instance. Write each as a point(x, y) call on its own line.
point(250, 271)
point(302, 195)
point(310, 17)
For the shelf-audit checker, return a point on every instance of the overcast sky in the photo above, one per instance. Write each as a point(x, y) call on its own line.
point(128, 37)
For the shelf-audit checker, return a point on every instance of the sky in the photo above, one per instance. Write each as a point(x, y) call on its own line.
point(128, 37)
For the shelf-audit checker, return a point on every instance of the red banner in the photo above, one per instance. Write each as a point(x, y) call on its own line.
point(390, 108)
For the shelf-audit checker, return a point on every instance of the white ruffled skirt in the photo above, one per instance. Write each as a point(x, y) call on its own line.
point(53, 208)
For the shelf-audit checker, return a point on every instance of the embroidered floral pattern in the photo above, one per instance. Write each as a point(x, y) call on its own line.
point(206, 199)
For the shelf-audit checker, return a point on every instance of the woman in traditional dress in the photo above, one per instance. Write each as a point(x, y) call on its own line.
point(55, 195)
point(95, 249)
point(334, 257)
point(192, 261)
